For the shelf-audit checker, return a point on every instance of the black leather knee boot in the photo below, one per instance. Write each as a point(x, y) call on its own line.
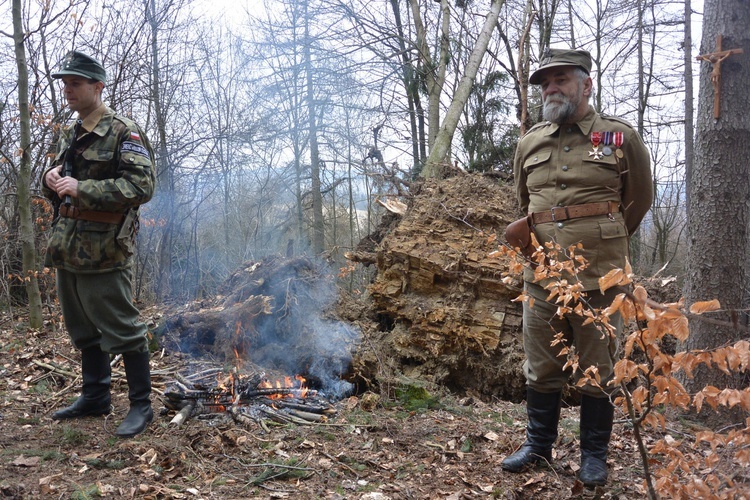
point(597, 415)
point(95, 397)
point(543, 411)
point(138, 373)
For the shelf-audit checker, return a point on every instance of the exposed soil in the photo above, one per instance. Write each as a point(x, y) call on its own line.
point(431, 353)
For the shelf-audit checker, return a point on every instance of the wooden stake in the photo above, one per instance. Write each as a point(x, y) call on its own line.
point(716, 58)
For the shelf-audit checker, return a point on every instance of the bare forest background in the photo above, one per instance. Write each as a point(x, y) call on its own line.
point(279, 127)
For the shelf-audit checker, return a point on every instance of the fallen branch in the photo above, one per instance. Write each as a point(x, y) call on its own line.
point(54, 368)
point(184, 414)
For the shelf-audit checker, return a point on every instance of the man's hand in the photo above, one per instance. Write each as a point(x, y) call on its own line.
point(61, 185)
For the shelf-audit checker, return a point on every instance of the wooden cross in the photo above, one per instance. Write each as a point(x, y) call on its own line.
point(716, 59)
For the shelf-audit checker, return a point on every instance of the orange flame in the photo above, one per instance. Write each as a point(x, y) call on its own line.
point(300, 389)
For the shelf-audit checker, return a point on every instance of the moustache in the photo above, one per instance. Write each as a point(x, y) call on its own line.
point(556, 100)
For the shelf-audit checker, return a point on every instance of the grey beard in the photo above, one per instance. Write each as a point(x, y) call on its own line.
point(558, 111)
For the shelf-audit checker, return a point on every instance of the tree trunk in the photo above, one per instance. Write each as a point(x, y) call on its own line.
point(689, 115)
point(720, 186)
point(524, 63)
point(440, 149)
point(24, 178)
point(411, 86)
point(318, 241)
point(432, 72)
point(163, 165)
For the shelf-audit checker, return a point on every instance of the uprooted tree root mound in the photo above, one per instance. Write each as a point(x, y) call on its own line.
point(441, 312)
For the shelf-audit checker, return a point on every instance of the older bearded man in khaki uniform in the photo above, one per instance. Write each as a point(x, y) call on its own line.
point(583, 178)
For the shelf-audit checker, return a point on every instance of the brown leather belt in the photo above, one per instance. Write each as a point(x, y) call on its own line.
point(557, 214)
point(91, 215)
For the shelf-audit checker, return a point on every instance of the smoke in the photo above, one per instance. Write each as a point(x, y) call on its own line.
point(278, 316)
point(301, 335)
point(334, 341)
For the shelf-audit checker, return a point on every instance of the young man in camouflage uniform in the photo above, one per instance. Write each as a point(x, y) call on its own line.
point(102, 173)
point(582, 177)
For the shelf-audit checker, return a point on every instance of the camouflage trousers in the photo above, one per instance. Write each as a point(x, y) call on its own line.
point(544, 365)
point(98, 309)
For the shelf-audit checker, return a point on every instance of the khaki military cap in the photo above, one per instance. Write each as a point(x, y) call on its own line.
point(79, 64)
point(561, 57)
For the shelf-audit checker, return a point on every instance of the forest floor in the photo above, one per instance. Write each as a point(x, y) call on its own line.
point(438, 390)
point(436, 445)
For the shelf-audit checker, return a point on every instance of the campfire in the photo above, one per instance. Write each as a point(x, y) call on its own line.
point(270, 316)
point(247, 399)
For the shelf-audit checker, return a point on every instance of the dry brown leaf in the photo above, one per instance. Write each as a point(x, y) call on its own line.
point(706, 306)
point(22, 461)
point(640, 294)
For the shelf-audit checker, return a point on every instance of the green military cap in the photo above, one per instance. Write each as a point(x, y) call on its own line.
point(561, 57)
point(79, 64)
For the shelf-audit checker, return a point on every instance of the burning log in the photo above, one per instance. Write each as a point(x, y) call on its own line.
point(275, 391)
point(247, 401)
point(307, 416)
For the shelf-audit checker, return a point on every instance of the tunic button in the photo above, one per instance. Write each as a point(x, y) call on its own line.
point(566, 149)
point(560, 225)
point(565, 168)
point(563, 186)
point(132, 158)
point(536, 158)
point(569, 130)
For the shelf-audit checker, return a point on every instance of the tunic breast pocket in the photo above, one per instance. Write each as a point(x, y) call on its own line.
point(98, 163)
point(603, 171)
point(537, 168)
point(97, 244)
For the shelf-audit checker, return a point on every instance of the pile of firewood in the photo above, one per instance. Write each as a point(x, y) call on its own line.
point(247, 398)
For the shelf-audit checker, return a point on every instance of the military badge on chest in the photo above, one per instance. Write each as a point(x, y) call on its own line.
point(596, 139)
point(607, 140)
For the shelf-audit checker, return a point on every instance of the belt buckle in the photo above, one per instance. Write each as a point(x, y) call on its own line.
point(554, 217)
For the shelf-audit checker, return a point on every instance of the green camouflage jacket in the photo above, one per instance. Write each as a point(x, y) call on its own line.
point(115, 173)
point(558, 165)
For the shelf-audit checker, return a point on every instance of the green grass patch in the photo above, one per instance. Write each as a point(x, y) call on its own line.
point(414, 398)
point(360, 417)
point(97, 463)
point(41, 387)
point(572, 425)
point(86, 493)
point(280, 470)
point(45, 455)
point(67, 435)
point(326, 435)
point(29, 420)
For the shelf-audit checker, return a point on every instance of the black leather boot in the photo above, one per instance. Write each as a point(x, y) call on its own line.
point(138, 373)
point(543, 411)
point(95, 398)
point(597, 415)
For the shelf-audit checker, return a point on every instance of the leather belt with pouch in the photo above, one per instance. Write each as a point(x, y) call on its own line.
point(91, 215)
point(557, 214)
point(518, 233)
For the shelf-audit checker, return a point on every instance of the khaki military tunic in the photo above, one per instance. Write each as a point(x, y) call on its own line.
point(557, 166)
point(554, 167)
